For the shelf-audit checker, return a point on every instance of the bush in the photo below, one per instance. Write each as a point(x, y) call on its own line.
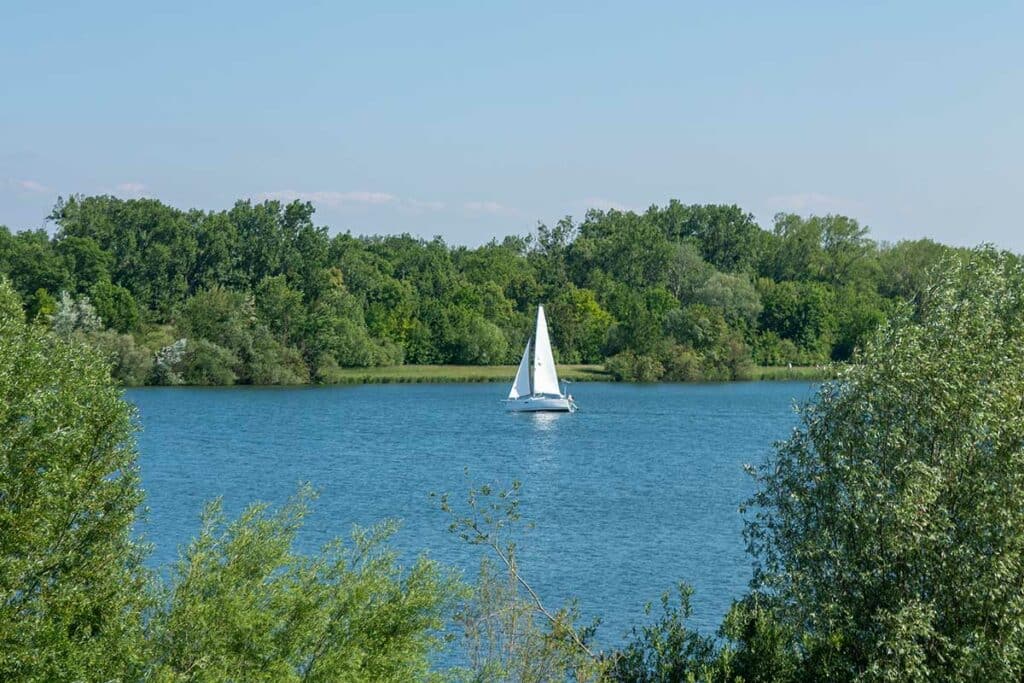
point(243, 606)
point(130, 364)
point(682, 364)
point(205, 363)
point(667, 650)
point(629, 366)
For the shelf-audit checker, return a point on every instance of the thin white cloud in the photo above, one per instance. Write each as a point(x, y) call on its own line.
point(493, 208)
point(133, 190)
point(602, 204)
point(812, 202)
point(419, 206)
point(332, 199)
point(33, 186)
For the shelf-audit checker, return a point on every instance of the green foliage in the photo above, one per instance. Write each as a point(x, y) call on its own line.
point(243, 606)
point(115, 306)
point(152, 247)
point(757, 647)
point(84, 260)
point(906, 267)
point(72, 589)
point(280, 308)
point(77, 604)
point(508, 632)
point(803, 312)
point(735, 296)
point(294, 304)
point(729, 239)
point(40, 305)
point(630, 366)
point(32, 264)
point(10, 303)
point(130, 363)
point(579, 325)
point(889, 525)
point(668, 650)
point(206, 363)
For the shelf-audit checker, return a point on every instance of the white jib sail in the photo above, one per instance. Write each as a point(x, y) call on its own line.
point(521, 384)
point(545, 378)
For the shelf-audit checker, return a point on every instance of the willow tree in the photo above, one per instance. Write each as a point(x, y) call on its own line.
point(71, 583)
point(890, 526)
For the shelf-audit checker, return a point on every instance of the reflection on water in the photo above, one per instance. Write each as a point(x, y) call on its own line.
point(546, 421)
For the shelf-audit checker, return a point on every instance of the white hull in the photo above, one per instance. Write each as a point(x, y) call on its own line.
point(536, 404)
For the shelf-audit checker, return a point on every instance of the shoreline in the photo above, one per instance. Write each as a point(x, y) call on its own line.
point(493, 374)
point(479, 374)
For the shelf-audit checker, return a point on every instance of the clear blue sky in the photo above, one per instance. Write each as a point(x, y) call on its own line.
point(471, 120)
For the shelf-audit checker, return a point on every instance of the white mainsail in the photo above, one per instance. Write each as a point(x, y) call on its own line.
point(545, 378)
point(521, 385)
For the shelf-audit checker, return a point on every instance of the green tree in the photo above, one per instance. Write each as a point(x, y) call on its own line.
point(851, 257)
point(629, 248)
point(115, 305)
point(72, 588)
point(470, 339)
point(796, 251)
point(222, 316)
point(728, 239)
point(131, 364)
point(889, 526)
point(687, 271)
point(858, 314)
point(905, 267)
point(31, 263)
point(734, 295)
point(579, 326)
point(803, 312)
point(152, 247)
point(86, 262)
point(280, 308)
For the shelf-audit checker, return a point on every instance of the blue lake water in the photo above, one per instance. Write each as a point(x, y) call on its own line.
point(633, 493)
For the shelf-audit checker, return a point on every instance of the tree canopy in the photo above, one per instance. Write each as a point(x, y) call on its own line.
point(260, 294)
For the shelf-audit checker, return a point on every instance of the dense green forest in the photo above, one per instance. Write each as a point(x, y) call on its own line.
point(260, 294)
point(886, 535)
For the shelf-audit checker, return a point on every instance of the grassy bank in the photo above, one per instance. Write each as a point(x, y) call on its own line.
point(418, 374)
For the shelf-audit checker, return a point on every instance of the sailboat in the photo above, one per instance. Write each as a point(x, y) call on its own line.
point(541, 392)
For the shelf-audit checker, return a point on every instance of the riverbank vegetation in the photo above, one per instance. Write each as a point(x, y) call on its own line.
point(260, 294)
point(887, 536)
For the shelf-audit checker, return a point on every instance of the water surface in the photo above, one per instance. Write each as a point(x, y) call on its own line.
point(633, 493)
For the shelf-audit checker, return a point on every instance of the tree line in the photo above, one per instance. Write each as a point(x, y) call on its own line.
point(260, 294)
point(886, 534)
